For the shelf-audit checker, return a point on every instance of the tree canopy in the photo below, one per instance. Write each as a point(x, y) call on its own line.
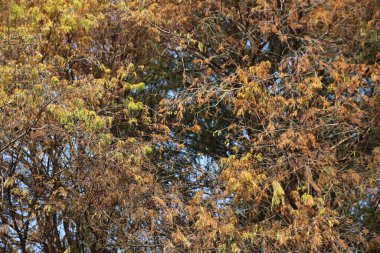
point(189, 126)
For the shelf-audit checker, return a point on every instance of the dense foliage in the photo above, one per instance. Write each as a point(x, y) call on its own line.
point(189, 126)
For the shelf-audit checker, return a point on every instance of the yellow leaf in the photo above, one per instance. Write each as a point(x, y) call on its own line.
point(308, 200)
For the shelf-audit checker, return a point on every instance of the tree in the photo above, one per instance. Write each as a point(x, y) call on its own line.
point(189, 126)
